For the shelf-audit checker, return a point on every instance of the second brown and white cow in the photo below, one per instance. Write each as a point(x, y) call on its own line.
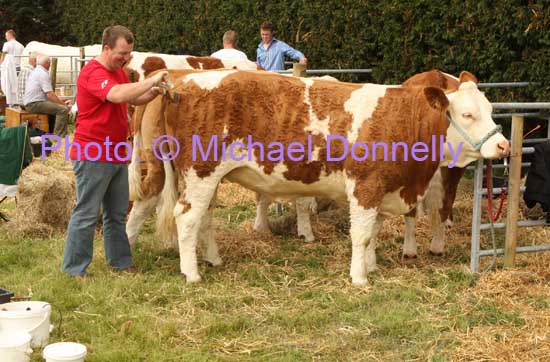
point(281, 113)
point(437, 202)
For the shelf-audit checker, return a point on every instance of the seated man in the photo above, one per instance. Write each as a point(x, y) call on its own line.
point(23, 76)
point(40, 98)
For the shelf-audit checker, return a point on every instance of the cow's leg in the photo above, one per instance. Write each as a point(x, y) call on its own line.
point(210, 252)
point(370, 257)
point(437, 245)
point(141, 210)
point(262, 208)
point(409, 247)
point(303, 207)
point(362, 230)
point(189, 212)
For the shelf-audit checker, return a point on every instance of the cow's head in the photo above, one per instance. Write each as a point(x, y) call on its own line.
point(469, 113)
point(150, 64)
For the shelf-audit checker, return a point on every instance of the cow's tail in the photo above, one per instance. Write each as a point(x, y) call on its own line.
point(134, 171)
point(166, 223)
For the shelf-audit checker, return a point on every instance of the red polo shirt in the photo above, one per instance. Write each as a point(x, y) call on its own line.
point(101, 126)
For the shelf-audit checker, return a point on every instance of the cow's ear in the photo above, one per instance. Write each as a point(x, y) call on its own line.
point(466, 76)
point(436, 98)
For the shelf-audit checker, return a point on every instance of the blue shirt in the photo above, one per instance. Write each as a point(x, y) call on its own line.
point(273, 58)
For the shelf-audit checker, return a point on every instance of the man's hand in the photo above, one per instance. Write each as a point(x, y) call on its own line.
point(140, 92)
point(303, 60)
point(159, 78)
point(161, 89)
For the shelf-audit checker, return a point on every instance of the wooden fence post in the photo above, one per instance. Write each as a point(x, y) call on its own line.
point(513, 192)
point(82, 56)
point(299, 69)
point(53, 72)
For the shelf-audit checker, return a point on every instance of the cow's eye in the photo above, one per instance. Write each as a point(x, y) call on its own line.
point(468, 115)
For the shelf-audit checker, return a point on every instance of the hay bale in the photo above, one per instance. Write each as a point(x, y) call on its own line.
point(45, 199)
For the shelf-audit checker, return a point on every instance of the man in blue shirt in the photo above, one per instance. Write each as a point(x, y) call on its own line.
point(271, 52)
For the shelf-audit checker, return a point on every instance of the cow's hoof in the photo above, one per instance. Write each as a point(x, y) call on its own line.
point(193, 278)
point(214, 261)
point(409, 259)
point(360, 282)
point(264, 229)
point(308, 238)
point(436, 253)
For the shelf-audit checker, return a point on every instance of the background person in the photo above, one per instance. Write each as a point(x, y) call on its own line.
point(103, 89)
point(39, 96)
point(23, 76)
point(271, 52)
point(13, 47)
point(229, 51)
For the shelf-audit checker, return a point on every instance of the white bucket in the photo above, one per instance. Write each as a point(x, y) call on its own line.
point(65, 352)
point(15, 346)
point(31, 317)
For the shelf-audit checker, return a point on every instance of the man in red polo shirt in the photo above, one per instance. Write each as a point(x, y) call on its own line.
point(99, 153)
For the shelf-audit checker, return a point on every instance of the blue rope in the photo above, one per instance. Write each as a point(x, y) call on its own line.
point(475, 145)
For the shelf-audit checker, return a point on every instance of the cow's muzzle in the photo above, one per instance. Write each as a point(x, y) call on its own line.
point(504, 148)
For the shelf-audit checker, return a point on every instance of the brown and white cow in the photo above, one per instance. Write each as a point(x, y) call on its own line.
point(272, 110)
point(141, 65)
point(437, 203)
point(441, 192)
point(139, 59)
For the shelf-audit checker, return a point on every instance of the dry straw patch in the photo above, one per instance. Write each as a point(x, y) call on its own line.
point(525, 292)
point(45, 199)
point(520, 298)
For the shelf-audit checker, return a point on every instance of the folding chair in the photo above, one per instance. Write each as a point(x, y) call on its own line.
point(15, 155)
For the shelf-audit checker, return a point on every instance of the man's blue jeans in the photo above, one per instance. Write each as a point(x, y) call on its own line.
point(98, 184)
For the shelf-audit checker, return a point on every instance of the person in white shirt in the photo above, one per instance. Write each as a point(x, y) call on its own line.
point(40, 97)
point(13, 47)
point(229, 51)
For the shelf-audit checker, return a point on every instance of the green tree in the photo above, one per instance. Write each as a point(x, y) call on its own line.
point(33, 20)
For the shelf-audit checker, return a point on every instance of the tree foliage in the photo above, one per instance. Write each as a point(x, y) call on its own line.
point(508, 40)
point(33, 20)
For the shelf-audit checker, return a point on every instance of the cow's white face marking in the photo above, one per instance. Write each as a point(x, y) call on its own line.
point(208, 80)
point(471, 110)
point(361, 105)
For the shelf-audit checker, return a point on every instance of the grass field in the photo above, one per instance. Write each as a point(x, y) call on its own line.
point(277, 298)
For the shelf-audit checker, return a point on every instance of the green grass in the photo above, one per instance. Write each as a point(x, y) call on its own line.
point(293, 303)
point(236, 214)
